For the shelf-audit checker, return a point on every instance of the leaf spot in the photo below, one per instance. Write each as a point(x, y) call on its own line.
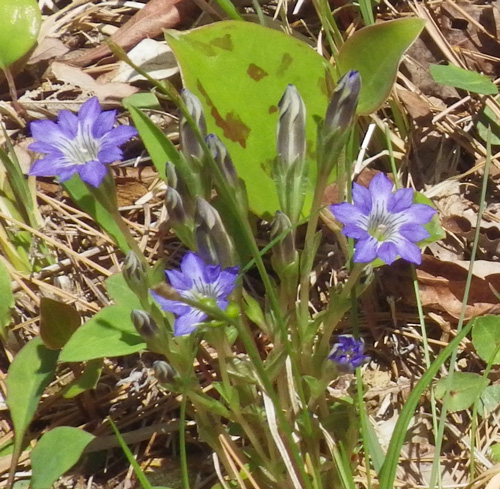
point(256, 72)
point(233, 127)
point(224, 42)
point(272, 109)
point(286, 61)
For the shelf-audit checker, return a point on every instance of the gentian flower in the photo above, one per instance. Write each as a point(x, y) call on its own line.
point(82, 144)
point(196, 281)
point(347, 353)
point(384, 223)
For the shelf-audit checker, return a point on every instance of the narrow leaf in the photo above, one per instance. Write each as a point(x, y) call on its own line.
point(7, 301)
point(457, 77)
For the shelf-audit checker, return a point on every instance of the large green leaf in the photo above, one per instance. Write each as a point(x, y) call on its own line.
point(28, 375)
point(110, 333)
point(239, 84)
point(56, 452)
point(19, 25)
point(375, 51)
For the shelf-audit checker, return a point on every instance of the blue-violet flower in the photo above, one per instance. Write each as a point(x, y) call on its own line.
point(196, 281)
point(84, 143)
point(348, 353)
point(384, 223)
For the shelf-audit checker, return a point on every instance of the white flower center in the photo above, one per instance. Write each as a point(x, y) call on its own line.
point(82, 148)
point(383, 225)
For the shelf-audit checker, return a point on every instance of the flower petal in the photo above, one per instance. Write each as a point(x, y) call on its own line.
point(178, 280)
point(119, 135)
point(68, 123)
point(349, 214)
point(365, 250)
point(109, 154)
point(353, 231)
point(47, 131)
point(92, 173)
point(192, 265)
point(49, 166)
point(400, 200)
point(187, 323)
point(380, 187)
point(104, 123)
point(410, 252)
point(419, 214)
point(362, 198)
point(387, 252)
point(413, 232)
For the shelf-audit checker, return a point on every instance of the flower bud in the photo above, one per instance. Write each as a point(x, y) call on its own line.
point(342, 107)
point(171, 174)
point(213, 243)
point(189, 142)
point(175, 207)
point(289, 168)
point(164, 372)
point(144, 324)
point(291, 136)
point(284, 251)
point(222, 159)
point(134, 272)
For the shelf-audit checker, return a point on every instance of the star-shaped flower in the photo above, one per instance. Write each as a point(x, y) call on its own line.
point(84, 143)
point(348, 353)
point(196, 281)
point(384, 223)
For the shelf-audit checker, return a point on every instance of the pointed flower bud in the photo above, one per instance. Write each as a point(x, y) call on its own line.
point(284, 252)
point(289, 168)
point(348, 353)
point(144, 324)
point(213, 243)
point(342, 107)
point(190, 145)
point(134, 272)
point(222, 158)
point(175, 207)
point(164, 372)
point(171, 174)
point(291, 139)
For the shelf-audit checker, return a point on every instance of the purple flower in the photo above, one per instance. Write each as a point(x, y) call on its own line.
point(384, 223)
point(196, 281)
point(82, 144)
point(348, 353)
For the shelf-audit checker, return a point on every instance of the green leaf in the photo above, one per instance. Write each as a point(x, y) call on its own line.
point(376, 51)
point(30, 372)
point(471, 81)
point(489, 401)
point(487, 119)
point(466, 387)
point(80, 195)
point(486, 337)
point(433, 227)
point(494, 452)
point(239, 85)
point(55, 453)
point(7, 301)
point(58, 321)
point(110, 333)
point(120, 293)
point(19, 25)
point(87, 380)
point(159, 147)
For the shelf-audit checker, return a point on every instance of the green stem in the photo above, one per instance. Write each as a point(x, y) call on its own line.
point(182, 443)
